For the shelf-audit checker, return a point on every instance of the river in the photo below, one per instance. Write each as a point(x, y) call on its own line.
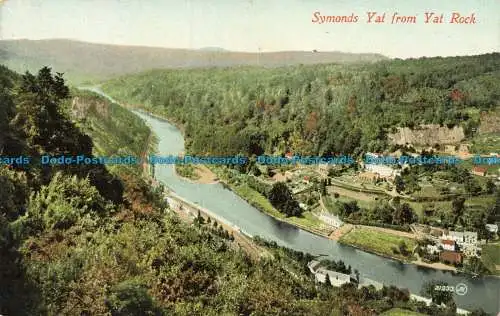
point(482, 292)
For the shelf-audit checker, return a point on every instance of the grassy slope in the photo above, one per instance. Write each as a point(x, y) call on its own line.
point(490, 255)
point(379, 242)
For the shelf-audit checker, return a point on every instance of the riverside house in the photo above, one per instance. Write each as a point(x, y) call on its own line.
point(331, 219)
point(448, 244)
point(479, 171)
point(336, 278)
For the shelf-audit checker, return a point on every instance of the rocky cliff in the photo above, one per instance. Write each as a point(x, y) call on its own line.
point(429, 134)
point(82, 105)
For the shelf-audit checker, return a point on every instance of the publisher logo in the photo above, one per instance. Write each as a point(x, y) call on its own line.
point(461, 289)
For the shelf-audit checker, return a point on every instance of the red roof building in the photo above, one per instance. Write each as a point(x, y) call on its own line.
point(479, 171)
point(450, 256)
point(448, 244)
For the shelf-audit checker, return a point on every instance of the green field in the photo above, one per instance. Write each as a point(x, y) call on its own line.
point(486, 143)
point(376, 241)
point(256, 199)
point(490, 255)
point(308, 221)
point(491, 169)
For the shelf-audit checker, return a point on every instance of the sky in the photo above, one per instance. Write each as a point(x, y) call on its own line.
point(253, 25)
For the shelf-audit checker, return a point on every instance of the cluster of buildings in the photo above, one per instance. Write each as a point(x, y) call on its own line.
point(453, 246)
point(338, 279)
point(381, 171)
point(375, 172)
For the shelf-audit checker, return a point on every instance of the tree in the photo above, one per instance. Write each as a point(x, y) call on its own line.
point(399, 183)
point(403, 248)
point(475, 265)
point(472, 187)
point(490, 187)
point(494, 210)
point(349, 208)
point(45, 125)
point(322, 187)
point(458, 206)
point(328, 283)
point(130, 298)
point(199, 220)
point(281, 198)
point(404, 215)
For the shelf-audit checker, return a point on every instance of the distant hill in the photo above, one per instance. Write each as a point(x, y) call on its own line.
point(213, 49)
point(81, 61)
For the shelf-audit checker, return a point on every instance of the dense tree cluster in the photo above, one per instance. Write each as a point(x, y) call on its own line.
point(282, 199)
point(318, 109)
point(394, 215)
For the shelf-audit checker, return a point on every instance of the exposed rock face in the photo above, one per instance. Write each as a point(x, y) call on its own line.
point(490, 122)
point(81, 106)
point(429, 134)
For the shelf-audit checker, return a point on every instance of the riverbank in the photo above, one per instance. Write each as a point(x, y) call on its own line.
point(379, 237)
point(202, 173)
point(435, 265)
point(309, 226)
point(481, 292)
point(391, 246)
point(187, 212)
point(255, 199)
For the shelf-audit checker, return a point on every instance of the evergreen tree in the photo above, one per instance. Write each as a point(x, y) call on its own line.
point(328, 283)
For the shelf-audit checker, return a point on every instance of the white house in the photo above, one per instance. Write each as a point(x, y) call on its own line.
point(471, 251)
point(384, 171)
point(330, 219)
point(462, 238)
point(313, 265)
point(336, 278)
point(492, 228)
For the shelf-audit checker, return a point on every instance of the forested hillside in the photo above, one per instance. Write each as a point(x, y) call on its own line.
point(92, 241)
point(318, 109)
